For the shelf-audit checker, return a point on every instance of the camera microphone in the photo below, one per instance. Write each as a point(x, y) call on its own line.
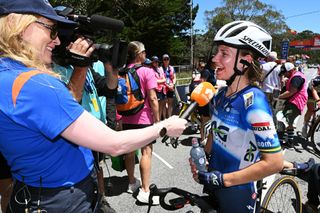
point(98, 21)
point(107, 23)
point(200, 96)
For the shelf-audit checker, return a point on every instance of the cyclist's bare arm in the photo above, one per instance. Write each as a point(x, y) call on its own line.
point(268, 165)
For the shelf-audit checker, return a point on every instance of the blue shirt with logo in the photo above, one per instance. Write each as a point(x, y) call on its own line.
point(30, 131)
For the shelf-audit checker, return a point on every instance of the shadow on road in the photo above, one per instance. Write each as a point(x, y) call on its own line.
point(305, 145)
point(115, 185)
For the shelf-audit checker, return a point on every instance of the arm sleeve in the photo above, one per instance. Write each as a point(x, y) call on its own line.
point(45, 104)
point(297, 82)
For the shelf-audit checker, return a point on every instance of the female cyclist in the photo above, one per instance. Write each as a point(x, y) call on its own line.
point(245, 146)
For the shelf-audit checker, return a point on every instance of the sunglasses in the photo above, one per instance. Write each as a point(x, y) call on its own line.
point(53, 29)
point(166, 59)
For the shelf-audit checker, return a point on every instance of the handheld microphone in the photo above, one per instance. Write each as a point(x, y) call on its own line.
point(200, 96)
point(98, 21)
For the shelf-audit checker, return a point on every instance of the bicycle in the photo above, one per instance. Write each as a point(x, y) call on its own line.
point(314, 130)
point(184, 198)
point(283, 196)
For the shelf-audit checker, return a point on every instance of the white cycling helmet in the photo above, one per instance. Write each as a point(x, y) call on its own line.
point(245, 34)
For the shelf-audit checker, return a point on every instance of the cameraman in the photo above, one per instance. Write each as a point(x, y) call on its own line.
point(86, 84)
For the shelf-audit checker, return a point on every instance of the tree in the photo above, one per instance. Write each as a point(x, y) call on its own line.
point(251, 10)
point(162, 25)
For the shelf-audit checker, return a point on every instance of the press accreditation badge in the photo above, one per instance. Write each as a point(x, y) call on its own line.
point(95, 104)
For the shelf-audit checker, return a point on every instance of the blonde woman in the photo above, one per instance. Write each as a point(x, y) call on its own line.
point(46, 136)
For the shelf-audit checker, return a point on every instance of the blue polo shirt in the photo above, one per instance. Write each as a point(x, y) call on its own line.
point(30, 131)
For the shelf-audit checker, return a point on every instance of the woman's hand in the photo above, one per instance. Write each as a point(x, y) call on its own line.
point(82, 46)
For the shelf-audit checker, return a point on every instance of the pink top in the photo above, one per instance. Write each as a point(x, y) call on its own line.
point(147, 81)
point(159, 75)
point(300, 98)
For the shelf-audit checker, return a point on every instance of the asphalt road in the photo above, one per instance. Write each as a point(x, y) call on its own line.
point(170, 168)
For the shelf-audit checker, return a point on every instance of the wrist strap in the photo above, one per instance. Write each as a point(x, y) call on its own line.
point(78, 60)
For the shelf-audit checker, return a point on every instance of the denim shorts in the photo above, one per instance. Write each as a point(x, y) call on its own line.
point(77, 198)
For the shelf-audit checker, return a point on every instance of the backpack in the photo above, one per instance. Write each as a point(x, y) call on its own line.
point(129, 98)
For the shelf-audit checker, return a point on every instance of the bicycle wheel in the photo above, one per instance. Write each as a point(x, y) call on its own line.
point(315, 135)
point(283, 196)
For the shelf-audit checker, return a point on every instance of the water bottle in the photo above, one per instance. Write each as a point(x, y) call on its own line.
point(198, 155)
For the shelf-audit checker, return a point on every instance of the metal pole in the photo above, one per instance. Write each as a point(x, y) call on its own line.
point(191, 35)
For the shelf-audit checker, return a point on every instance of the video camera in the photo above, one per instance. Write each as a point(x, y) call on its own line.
point(92, 27)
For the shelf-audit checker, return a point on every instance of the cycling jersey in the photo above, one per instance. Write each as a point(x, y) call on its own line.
point(243, 128)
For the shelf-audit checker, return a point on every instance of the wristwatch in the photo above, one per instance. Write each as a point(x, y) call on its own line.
point(163, 132)
point(162, 129)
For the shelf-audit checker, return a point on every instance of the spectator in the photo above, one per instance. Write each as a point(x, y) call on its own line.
point(5, 183)
point(271, 80)
point(85, 84)
point(196, 76)
point(144, 118)
point(160, 89)
point(311, 171)
point(313, 101)
point(208, 75)
point(296, 96)
point(46, 136)
point(147, 63)
point(245, 146)
point(170, 75)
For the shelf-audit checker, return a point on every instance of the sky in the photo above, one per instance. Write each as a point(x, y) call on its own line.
point(287, 7)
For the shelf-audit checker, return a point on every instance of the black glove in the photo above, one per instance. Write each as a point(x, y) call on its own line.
point(213, 179)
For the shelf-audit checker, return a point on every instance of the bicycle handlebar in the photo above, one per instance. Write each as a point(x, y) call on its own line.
point(187, 197)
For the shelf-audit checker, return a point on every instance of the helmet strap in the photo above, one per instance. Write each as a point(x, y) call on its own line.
point(236, 70)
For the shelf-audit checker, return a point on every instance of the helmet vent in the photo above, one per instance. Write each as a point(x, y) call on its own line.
point(237, 31)
point(267, 44)
point(228, 28)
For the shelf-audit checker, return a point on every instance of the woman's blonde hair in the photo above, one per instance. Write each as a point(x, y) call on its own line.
point(13, 46)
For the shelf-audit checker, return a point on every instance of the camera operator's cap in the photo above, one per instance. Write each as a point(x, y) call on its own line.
point(38, 7)
point(154, 58)
point(288, 66)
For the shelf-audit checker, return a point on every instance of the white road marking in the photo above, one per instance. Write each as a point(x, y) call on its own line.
point(163, 161)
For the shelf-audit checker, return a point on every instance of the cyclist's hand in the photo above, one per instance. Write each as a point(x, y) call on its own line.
point(194, 170)
point(213, 179)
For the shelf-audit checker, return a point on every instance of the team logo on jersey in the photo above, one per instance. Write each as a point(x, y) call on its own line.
point(248, 99)
point(263, 126)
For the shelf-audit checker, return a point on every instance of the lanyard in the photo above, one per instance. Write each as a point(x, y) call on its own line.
point(87, 85)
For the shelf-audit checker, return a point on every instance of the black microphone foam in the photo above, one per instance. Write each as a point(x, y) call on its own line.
point(106, 23)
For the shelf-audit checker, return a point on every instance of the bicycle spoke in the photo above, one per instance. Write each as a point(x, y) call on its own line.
point(316, 136)
point(283, 200)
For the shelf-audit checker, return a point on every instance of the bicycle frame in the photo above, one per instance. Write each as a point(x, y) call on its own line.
point(185, 198)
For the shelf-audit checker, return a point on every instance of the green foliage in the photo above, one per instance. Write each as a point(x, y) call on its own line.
point(162, 25)
point(251, 10)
